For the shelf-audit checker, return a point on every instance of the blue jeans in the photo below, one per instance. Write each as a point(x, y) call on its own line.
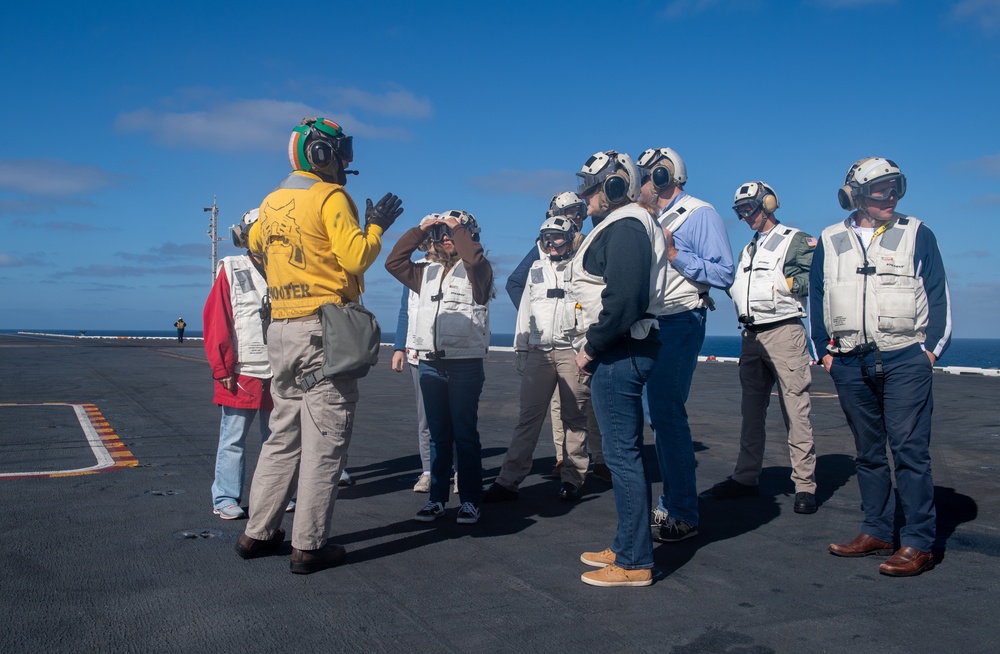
point(230, 461)
point(904, 422)
point(451, 390)
point(616, 393)
point(681, 335)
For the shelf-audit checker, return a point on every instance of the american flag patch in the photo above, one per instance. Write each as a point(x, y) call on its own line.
point(812, 242)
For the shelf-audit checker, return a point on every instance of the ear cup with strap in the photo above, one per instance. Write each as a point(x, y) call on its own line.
point(615, 188)
point(661, 177)
point(769, 203)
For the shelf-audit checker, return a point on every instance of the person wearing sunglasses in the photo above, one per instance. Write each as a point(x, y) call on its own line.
point(769, 293)
point(700, 259)
point(315, 252)
point(450, 337)
point(545, 360)
point(880, 314)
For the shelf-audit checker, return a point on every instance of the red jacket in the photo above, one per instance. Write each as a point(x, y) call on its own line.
point(217, 319)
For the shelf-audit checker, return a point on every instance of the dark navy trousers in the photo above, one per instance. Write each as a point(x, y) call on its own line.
point(904, 422)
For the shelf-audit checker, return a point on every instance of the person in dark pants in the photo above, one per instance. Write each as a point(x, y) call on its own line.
point(180, 325)
point(881, 317)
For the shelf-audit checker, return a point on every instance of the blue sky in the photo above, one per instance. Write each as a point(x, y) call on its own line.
point(123, 120)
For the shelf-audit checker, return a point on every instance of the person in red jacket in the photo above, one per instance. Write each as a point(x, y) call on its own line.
point(233, 319)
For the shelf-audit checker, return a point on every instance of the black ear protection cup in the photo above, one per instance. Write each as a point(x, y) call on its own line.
point(319, 153)
point(661, 176)
point(615, 188)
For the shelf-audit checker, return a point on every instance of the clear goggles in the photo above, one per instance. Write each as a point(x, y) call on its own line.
point(747, 209)
point(438, 231)
point(553, 239)
point(896, 189)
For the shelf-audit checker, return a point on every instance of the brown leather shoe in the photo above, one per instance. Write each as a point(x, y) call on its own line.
point(907, 562)
point(306, 562)
point(249, 548)
point(863, 545)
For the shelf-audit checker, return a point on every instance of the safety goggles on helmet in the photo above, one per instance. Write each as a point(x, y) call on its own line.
point(330, 131)
point(595, 170)
point(552, 238)
point(438, 231)
point(896, 188)
point(747, 209)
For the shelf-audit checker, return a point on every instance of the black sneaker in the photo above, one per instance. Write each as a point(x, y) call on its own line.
point(497, 493)
point(468, 514)
point(729, 489)
point(674, 531)
point(431, 512)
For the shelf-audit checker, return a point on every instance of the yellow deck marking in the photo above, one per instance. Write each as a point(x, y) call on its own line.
point(108, 449)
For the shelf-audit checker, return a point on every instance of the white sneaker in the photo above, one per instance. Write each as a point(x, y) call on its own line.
point(345, 479)
point(423, 484)
point(230, 512)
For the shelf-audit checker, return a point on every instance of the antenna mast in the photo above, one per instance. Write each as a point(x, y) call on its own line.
point(213, 233)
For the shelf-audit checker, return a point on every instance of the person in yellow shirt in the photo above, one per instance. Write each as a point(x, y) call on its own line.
point(315, 252)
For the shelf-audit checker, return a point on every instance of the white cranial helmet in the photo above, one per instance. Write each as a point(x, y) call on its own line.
point(664, 166)
point(241, 231)
point(864, 174)
point(612, 174)
point(752, 196)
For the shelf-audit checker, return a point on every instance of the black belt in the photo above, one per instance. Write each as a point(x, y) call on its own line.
point(756, 329)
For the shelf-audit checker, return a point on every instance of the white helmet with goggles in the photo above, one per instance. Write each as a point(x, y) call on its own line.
point(320, 146)
point(664, 167)
point(556, 232)
point(612, 174)
point(241, 231)
point(752, 196)
point(866, 173)
point(463, 217)
point(568, 204)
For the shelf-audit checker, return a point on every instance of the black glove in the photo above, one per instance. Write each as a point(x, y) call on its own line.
point(385, 213)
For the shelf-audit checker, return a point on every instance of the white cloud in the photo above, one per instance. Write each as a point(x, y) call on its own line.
point(12, 261)
point(984, 13)
point(257, 124)
point(48, 177)
point(535, 183)
point(989, 165)
point(397, 101)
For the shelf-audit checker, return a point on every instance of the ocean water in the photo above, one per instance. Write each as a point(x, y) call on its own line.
point(963, 352)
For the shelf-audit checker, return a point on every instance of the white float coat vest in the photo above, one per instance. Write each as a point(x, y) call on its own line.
point(875, 299)
point(760, 289)
point(246, 290)
point(585, 289)
point(539, 326)
point(449, 323)
point(412, 303)
point(683, 294)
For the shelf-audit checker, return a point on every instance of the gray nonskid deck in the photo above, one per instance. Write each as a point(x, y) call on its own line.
point(132, 560)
